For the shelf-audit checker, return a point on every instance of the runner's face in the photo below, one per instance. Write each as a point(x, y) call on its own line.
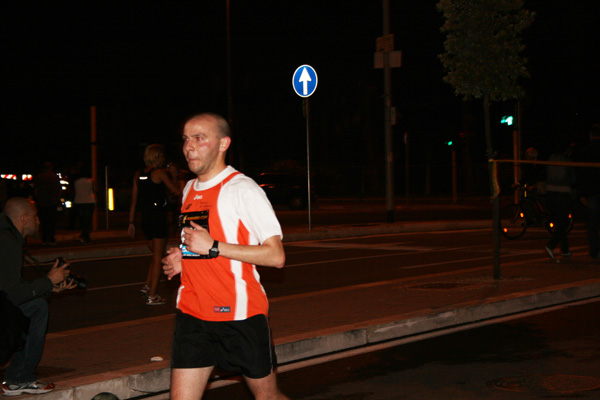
point(201, 146)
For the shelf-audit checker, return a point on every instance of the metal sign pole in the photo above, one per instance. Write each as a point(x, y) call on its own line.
point(304, 82)
point(106, 193)
point(387, 95)
point(307, 116)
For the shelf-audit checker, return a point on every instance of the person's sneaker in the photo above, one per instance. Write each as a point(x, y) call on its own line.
point(36, 387)
point(550, 252)
point(145, 290)
point(155, 301)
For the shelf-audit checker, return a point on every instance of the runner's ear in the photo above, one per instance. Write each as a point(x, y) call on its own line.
point(224, 143)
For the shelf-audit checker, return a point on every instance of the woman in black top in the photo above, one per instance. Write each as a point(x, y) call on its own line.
point(149, 194)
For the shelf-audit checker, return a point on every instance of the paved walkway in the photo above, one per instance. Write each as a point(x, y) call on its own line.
point(117, 358)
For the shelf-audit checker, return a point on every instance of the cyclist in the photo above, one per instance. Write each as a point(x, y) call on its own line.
point(559, 196)
point(532, 180)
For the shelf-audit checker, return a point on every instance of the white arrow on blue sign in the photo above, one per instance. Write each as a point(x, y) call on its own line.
point(305, 80)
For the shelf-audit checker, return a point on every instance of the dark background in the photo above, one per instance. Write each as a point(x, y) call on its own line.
point(148, 65)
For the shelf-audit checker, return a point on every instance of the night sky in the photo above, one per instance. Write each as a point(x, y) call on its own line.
point(148, 65)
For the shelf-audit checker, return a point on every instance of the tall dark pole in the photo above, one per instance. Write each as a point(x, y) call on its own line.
point(493, 187)
point(94, 142)
point(307, 116)
point(387, 96)
point(230, 87)
point(406, 167)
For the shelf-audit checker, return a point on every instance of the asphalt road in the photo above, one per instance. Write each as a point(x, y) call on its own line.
point(312, 266)
point(327, 212)
point(113, 284)
point(553, 354)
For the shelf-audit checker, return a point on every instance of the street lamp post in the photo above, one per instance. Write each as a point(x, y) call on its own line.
point(387, 94)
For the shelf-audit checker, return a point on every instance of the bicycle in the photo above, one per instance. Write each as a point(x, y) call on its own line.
point(516, 218)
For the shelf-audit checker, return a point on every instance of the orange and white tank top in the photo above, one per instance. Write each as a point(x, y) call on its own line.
point(235, 210)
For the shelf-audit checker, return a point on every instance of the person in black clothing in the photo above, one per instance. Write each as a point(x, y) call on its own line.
point(532, 178)
point(588, 184)
point(560, 180)
point(149, 194)
point(17, 221)
point(531, 174)
point(47, 197)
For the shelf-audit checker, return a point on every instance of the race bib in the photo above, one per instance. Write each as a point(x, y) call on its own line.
point(198, 217)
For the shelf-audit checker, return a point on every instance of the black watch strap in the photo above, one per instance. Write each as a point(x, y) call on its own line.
point(214, 251)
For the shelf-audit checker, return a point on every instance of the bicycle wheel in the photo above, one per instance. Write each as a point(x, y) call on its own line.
point(550, 224)
point(512, 221)
point(571, 222)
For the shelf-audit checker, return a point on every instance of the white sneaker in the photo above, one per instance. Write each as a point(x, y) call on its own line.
point(155, 301)
point(36, 387)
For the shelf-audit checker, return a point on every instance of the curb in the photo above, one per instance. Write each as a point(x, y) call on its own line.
point(401, 327)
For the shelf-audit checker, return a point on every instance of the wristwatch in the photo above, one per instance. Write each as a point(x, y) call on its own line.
point(214, 251)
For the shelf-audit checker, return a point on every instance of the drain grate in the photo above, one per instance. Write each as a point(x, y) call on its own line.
point(545, 383)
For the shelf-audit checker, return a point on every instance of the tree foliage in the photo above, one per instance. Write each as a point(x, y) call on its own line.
point(483, 47)
point(483, 60)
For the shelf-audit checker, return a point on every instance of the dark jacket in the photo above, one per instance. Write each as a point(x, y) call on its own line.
point(588, 179)
point(559, 178)
point(17, 290)
point(47, 189)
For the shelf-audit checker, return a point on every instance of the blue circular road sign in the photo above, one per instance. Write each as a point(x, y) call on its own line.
point(305, 80)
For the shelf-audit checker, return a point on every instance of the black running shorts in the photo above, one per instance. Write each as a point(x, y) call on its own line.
point(154, 223)
point(240, 346)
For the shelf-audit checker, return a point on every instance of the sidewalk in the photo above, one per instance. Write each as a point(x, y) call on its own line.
point(117, 358)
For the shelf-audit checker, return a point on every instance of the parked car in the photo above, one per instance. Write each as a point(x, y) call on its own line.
point(285, 189)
